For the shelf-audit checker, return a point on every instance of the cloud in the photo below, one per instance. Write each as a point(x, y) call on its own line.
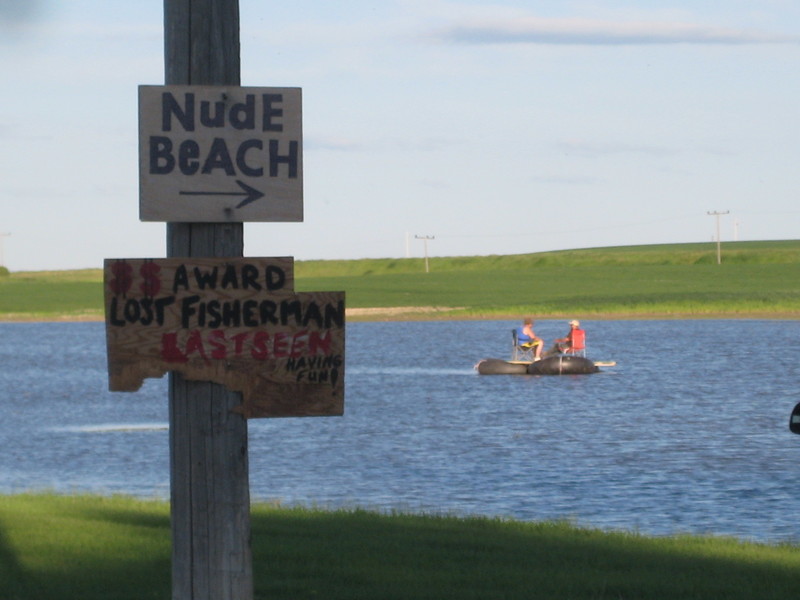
point(385, 144)
point(598, 149)
point(532, 30)
point(338, 144)
point(17, 17)
point(16, 11)
point(564, 179)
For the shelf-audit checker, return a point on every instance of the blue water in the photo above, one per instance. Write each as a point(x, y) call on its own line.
point(687, 433)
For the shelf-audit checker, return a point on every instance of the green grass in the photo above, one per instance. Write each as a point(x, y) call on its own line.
point(775, 252)
point(583, 290)
point(52, 295)
point(679, 280)
point(93, 548)
point(755, 278)
point(83, 548)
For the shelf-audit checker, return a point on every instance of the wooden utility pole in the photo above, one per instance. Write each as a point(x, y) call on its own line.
point(425, 239)
point(718, 214)
point(210, 490)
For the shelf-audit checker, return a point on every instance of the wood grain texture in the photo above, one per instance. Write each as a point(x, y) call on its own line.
point(210, 506)
point(232, 321)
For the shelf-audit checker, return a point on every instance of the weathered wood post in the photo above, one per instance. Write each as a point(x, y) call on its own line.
point(214, 320)
point(210, 492)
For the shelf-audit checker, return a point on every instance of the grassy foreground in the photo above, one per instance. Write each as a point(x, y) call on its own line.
point(96, 548)
point(758, 279)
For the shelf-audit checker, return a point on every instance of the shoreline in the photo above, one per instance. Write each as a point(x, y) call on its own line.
point(453, 313)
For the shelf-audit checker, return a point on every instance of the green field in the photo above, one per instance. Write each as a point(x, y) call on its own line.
point(755, 279)
point(94, 548)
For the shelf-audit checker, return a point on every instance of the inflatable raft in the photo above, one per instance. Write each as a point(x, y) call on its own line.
point(560, 364)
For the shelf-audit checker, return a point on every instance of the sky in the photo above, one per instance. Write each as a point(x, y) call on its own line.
point(502, 127)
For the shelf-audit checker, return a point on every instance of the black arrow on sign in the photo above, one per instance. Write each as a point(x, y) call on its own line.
point(252, 194)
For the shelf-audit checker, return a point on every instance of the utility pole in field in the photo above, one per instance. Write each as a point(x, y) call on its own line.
point(718, 214)
point(425, 239)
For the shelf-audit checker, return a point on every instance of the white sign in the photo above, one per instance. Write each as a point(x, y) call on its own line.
point(217, 154)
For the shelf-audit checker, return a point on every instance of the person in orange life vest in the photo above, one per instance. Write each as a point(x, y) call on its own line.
point(575, 339)
point(527, 338)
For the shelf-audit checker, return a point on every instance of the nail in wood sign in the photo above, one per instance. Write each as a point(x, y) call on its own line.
point(233, 321)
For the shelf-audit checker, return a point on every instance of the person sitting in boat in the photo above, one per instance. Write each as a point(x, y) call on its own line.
point(574, 342)
point(527, 338)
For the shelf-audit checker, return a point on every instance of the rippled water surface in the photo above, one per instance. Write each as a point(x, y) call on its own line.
point(688, 433)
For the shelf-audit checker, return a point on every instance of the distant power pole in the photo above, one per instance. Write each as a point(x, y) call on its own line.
point(718, 214)
point(425, 239)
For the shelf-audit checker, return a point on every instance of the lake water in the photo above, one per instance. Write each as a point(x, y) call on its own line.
point(688, 433)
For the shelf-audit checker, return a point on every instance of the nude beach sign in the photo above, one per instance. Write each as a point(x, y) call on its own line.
point(233, 321)
point(220, 154)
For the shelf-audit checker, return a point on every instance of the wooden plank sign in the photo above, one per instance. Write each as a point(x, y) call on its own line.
point(233, 321)
point(219, 154)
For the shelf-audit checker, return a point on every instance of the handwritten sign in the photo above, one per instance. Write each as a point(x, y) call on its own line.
point(233, 321)
point(220, 154)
